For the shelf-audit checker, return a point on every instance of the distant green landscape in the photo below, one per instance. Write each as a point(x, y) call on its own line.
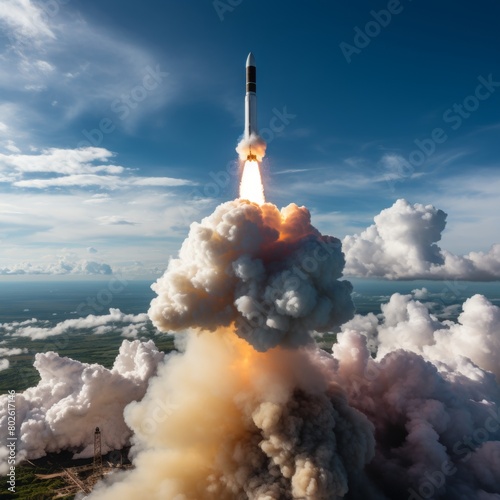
point(82, 346)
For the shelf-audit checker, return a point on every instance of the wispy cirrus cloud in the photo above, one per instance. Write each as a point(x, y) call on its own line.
point(47, 86)
point(26, 21)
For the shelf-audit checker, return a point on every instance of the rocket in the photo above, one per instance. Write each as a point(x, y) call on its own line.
point(251, 102)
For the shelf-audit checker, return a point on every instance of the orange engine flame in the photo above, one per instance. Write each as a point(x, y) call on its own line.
point(251, 187)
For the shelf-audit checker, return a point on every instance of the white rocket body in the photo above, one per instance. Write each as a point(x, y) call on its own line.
point(251, 98)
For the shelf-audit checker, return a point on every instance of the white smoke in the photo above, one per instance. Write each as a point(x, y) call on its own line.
point(402, 244)
point(223, 421)
point(268, 271)
point(73, 398)
point(249, 417)
point(254, 145)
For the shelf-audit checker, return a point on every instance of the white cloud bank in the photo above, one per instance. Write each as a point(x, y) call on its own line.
point(131, 325)
point(402, 244)
point(80, 167)
point(73, 398)
point(62, 267)
point(406, 323)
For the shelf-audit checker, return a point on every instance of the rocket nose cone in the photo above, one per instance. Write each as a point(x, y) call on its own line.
point(250, 60)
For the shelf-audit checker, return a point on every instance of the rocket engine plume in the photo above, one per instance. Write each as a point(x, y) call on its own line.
point(251, 187)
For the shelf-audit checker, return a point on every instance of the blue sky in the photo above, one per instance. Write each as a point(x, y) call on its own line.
point(119, 119)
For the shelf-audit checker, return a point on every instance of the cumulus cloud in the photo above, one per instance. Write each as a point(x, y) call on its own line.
point(73, 398)
point(406, 323)
point(7, 352)
point(15, 351)
point(402, 244)
point(35, 329)
point(436, 385)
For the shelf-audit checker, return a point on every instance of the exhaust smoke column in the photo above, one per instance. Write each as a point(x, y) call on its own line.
point(251, 408)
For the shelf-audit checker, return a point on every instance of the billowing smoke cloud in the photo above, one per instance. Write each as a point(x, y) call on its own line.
point(402, 245)
point(251, 145)
point(73, 398)
point(223, 421)
point(269, 272)
point(249, 417)
point(432, 396)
